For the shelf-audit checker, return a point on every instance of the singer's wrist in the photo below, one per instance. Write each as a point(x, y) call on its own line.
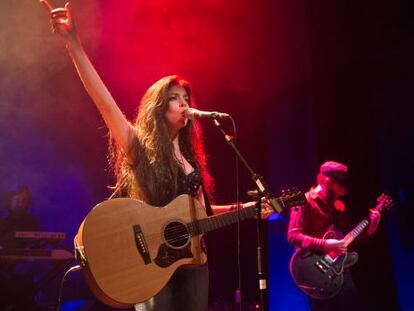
point(235, 206)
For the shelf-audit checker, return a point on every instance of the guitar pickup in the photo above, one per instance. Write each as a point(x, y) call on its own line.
point(322, 266)
point(141, 244)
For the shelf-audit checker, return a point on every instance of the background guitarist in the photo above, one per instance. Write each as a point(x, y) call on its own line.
point(155, 158)
point(324, 211)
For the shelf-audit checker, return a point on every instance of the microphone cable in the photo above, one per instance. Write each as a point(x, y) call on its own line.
point(238, 293)
point(71, 269)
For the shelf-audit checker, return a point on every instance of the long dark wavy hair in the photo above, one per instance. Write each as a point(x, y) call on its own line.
point(153, 175)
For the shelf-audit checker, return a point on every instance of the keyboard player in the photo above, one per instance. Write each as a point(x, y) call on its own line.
point(17, 285)
point(18, 218)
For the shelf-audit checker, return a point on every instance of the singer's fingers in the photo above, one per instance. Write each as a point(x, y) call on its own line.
point(59, 13)
point(46, 5)
point(68, 8)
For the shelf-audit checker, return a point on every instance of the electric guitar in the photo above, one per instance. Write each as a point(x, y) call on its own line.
point(129, 249)
point(321, 275)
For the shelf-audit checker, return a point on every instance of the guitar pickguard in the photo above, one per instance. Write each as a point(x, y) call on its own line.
point(167, 256)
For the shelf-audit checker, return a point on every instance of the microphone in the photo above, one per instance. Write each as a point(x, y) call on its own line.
point(193, 113)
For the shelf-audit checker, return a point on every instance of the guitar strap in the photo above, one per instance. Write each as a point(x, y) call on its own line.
point(209, 210)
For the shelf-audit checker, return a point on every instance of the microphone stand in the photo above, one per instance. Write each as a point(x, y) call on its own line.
point(262, 191)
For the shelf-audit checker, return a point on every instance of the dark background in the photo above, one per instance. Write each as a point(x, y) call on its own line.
point(306, 81)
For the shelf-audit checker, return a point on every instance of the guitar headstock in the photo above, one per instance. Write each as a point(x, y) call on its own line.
point(384, 202)
point(288, 199)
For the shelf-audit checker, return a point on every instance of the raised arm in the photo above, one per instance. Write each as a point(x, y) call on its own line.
point(63, 24)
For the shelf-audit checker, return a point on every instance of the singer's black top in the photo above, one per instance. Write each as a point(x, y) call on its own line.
point(190, 183)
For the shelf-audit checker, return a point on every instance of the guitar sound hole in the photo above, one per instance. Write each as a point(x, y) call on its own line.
point(176, 234)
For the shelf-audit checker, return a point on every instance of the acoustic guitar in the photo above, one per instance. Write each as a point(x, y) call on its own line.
point(129, 249)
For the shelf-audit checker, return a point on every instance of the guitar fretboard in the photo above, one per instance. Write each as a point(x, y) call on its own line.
point(215, 222)
point(356, 231)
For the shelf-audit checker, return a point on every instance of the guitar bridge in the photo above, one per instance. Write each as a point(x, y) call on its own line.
point(141, 244)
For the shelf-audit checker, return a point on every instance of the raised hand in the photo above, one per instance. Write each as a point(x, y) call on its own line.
point(61, 19)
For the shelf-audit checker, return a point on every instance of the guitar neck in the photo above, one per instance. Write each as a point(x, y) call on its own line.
point(215, 222)
point(384, 202)
point(351, 236)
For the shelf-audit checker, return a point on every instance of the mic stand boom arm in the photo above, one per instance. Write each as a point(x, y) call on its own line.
point(262, 192)
point(261, 186)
